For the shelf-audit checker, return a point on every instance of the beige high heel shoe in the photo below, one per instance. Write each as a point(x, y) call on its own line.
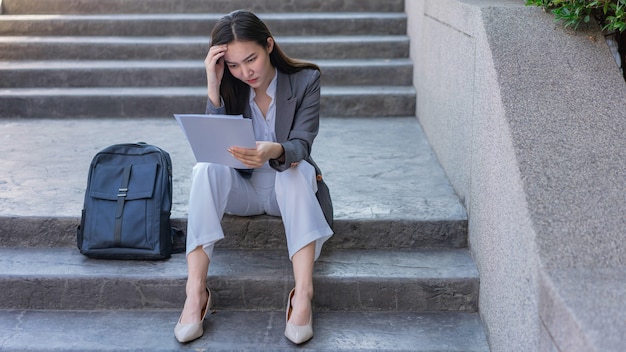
point(297, 333)
point(190, 332)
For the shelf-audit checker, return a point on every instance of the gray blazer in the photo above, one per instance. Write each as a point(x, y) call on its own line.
point(297, 124)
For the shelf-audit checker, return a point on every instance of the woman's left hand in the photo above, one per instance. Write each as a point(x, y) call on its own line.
point(256, 157)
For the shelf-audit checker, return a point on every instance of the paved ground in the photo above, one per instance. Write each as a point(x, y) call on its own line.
point(376, 168)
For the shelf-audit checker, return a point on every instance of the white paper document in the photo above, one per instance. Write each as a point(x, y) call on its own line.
point(210, 136)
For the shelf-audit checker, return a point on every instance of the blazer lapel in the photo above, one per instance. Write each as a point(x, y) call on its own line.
point(285, 107)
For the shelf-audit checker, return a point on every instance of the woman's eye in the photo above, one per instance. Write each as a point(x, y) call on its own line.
point(251, 59)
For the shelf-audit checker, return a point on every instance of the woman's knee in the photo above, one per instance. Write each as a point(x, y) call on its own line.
point(302, 174)
point(211, 170)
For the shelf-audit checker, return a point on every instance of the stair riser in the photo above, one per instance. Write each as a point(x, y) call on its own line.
point(195, 6)
point(259, 233)
point(397, 75)
point(184, 49)
point(241, 294)
point(78, 105)
point(201, 27)
point(365, 105)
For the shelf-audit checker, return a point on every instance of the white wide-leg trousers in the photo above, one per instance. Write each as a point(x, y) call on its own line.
point(217, 189)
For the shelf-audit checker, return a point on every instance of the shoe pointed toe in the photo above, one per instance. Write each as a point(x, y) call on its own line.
point(299, 334)
point(189, 332)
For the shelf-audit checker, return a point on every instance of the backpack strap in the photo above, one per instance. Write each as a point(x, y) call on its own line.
point(119, 211)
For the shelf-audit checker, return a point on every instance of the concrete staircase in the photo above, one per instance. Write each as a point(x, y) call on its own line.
point(396, 276)
point(77, 59)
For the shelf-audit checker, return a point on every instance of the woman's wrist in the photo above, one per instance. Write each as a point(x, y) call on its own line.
point(280, 152)
point(215, 97)
point(217, 103)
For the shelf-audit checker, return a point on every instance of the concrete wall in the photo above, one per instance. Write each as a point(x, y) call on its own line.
point(529, 121)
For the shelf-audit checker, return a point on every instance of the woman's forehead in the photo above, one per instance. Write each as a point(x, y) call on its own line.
point(241, 50)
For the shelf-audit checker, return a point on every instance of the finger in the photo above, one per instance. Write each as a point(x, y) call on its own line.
point(215, 52)
point(247, 162)
point(243, 151)
point(212, 59)
point(217, 48)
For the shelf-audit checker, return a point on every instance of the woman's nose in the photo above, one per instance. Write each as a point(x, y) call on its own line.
point(247, 71)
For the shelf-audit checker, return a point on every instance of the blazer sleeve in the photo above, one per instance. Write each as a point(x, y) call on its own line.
point(305, 124)
point(211, 109)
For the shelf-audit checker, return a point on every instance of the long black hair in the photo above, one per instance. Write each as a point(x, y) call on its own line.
point(243, 25)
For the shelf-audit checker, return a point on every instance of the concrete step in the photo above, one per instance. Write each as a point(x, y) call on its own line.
point(29, 330)
point(388, 188)
point(165, 101)
point(193, 48)
point(173, 24)
point(345, 280)
point(193, 6)
point(259, 232)
point(27, 74)
point(378, 169)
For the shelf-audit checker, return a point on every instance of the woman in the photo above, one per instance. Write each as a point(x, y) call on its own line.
point(247, 73)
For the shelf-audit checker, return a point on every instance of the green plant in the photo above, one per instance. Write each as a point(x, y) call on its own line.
point(611, 14)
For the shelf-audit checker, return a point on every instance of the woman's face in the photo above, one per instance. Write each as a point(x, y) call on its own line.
point(250, 62)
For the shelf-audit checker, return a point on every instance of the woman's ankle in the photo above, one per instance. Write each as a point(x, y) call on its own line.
point(302, 307)
point(304, 292)
point(195, 287)
point(194, 304)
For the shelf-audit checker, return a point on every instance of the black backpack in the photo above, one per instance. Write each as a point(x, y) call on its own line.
point(128, 201)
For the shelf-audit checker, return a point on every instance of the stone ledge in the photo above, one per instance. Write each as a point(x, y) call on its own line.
point(528, 120)
point(587, 301)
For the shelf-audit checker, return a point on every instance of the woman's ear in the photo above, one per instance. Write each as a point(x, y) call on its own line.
point(270, 44)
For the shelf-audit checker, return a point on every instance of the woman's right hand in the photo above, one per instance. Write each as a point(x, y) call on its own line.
point(214, 65)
